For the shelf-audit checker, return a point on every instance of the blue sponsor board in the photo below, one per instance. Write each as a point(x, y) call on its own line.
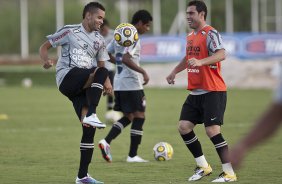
point(241, 45)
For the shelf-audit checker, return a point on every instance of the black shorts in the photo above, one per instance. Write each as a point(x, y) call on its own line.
point(208, 108)
point(72, 87)
point(130, 101)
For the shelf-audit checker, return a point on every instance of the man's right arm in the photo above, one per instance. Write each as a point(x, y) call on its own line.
point(43, 52)
point(180, 67)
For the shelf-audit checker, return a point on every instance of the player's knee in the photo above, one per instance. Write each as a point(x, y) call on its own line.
point(130, 116)
point(102, 72)
point(212, 130)
point(139, 114)
point(184, 128)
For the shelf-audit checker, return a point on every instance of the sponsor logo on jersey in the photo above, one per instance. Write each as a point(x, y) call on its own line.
point(85, 46)
point(193, 50)
point(96, 45)
point(193, 70)
point(60, 36)
point(213, 66)
point(77, 30)
point(81, 57)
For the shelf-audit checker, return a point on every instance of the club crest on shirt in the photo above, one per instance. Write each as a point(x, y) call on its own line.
point(96, 45)
point(85, 46)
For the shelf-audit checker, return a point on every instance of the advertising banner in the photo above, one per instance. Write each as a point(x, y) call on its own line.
point(241, 45)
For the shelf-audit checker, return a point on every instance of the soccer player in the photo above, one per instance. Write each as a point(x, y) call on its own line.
point(207, 99)
point(264, 128)
point(108, 34)
point(78, 79)
point(128, 90)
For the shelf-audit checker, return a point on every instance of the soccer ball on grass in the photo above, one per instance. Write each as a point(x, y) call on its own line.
point(163, 151)
point(126, 34)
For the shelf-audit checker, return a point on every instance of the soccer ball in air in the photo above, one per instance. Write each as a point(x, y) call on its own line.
point(112, 116)
point(163, 151)
point(126, 34)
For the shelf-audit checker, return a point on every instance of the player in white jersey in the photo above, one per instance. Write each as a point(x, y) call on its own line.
point(128, 88)
point(264, 128)
point(79, 79)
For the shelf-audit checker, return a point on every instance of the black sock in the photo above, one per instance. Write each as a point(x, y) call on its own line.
point(86, 150)
point(193, 144)
point(136, 133)
point(221, 147)
point(94, 92)
point(117, 128)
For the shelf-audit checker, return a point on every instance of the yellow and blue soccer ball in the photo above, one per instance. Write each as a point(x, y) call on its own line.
point(163, 151)
point(126, 34)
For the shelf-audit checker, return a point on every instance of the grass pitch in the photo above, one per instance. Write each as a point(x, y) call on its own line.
point(39, 142)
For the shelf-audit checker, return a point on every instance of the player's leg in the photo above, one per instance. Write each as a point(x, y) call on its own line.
point(72, 87)
point(117, 127)
point(214, 107)
point(136, 134)
point(137, 104)
point(110, 98)
point(189, 117)
point(87, 140)
point(93, 94)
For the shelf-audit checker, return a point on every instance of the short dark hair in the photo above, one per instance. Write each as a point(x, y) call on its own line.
point(200, 6)
point(105, 23)
point(142, 15)
point(92, 7)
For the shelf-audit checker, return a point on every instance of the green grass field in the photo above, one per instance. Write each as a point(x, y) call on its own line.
point(39, 143)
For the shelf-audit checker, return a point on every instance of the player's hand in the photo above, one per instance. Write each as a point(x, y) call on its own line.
point(108, 89)
point(194, 62)
point(49, 63)
point(170, 78)
point(145, 78)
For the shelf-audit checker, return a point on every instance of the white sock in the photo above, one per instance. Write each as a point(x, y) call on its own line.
point(201, 161)
point(227, 168)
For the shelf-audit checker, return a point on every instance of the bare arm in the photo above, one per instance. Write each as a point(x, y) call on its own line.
point(126, 59)
point(112, 59)
point(218, 56)
point(180, 67)
point(267, 124)
point(43, 52)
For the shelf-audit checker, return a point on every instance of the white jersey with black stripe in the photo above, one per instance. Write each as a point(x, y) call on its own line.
point(79, 49)
point(125, 78)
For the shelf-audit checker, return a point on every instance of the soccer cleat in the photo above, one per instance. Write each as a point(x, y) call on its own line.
point(106, 150)
point(224, 177)
point(94, 121)
point(87, 180)
point(200, 172)
point(135, 159)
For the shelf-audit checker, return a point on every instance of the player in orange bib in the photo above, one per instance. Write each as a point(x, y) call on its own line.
point(207, 100)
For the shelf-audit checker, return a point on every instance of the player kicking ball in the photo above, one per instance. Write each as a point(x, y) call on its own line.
point(78, 79)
